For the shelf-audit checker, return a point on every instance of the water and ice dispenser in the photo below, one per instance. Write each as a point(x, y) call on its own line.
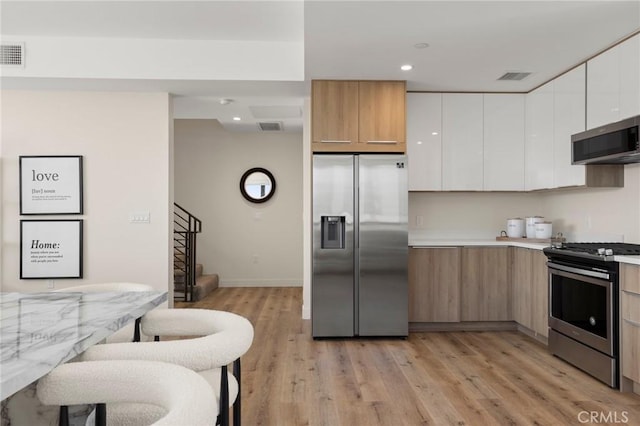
point(333, 232)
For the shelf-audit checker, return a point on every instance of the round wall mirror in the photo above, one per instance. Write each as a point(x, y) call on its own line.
point(257, 185)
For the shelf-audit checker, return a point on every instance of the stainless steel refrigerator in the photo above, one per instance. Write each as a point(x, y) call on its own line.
point(360, 245)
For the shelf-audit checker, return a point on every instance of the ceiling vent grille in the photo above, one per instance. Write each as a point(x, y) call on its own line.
point(514, 76)
point(271, 126)
point(12, 54)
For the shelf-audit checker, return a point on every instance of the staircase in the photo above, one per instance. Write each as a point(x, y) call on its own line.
point(189, 283)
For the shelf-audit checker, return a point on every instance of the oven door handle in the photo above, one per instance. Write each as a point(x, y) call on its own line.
point(578, 271)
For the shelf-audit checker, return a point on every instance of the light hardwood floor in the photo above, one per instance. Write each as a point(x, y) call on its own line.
point(459, 378)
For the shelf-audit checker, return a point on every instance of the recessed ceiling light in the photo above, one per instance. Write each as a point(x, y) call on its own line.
point(225, 101)
point(406, 67)
point(434, 133)
point(237, 118)
point(419, 143)
point(421, 45)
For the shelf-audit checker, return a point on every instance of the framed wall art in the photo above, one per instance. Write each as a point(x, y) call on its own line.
point(51, 249)
point(50, 184)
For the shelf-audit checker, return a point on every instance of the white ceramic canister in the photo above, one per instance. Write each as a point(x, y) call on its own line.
point(544, 230)
point(515, 228)
point(530, 223)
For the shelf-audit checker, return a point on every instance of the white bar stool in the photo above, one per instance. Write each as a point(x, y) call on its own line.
point(227, 337)
point(181, 396)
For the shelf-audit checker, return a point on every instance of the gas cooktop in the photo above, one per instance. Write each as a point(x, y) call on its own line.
point(596, 250)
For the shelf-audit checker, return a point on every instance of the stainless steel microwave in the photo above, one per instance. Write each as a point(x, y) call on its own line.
point(615, 143)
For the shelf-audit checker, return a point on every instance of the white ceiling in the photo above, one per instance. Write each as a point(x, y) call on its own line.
point(471, 44)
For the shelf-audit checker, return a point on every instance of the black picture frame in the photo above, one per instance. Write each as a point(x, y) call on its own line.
point(51, 249)
point(51, 184)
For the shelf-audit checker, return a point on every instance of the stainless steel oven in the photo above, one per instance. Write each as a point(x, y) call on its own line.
point(583, 312)
point(583, 306)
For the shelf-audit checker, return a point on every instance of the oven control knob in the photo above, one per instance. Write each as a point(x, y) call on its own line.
point(592, 321)
point(608, 252)
point(600, 251)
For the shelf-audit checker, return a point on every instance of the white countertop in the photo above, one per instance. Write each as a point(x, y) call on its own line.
point(425, 241)
point(633, 260)
point(433, 242)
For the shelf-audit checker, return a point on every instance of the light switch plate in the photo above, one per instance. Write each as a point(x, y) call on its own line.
point(140, 217)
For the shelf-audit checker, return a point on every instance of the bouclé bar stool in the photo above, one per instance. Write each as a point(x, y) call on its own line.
point(227, 337)
point(177, 395)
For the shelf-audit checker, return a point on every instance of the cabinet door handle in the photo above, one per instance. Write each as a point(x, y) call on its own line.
point(331, 141)
point(630, 293)
point(383, 142)
point(634, 323)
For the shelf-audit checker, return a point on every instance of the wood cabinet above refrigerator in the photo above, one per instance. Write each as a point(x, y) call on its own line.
point(358, 116)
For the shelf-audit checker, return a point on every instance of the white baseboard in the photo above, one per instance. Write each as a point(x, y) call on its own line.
point(306, 312)
point(260, 283)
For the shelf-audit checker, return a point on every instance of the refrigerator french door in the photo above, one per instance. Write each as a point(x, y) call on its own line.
point(360, 246)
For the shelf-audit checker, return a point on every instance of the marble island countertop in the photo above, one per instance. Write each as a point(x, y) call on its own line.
point(39, 331)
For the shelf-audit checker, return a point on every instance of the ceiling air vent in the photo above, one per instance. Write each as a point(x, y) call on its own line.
point(514, 76)
point(12, 54)
point(271, 126)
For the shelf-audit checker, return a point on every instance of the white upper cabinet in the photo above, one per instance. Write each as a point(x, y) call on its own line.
point(504, 142)
point(602, 89)
point(462, 145)
point(629, 53)
point(424, 141)
point(569, 118)
point(613, 84)
point(539, 167)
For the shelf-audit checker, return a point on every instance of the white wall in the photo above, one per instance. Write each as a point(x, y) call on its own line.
point(581, 214)
point(146, 58)
point(126, 142)
point(209, 162)
point(307, 216)
point(469, 214)
point(591, 214)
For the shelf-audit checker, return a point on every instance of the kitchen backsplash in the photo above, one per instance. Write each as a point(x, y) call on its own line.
point(581, 214)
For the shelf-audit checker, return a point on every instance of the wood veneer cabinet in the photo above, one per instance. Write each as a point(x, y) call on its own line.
point(486, 288)
point(521, 270)
point(530, 289)
point(358, 116)
point(630, 321)
point(334, 109)
point(434, 284)
point(540, 292)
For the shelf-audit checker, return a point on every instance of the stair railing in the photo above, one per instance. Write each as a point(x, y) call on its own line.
point(185, 228)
